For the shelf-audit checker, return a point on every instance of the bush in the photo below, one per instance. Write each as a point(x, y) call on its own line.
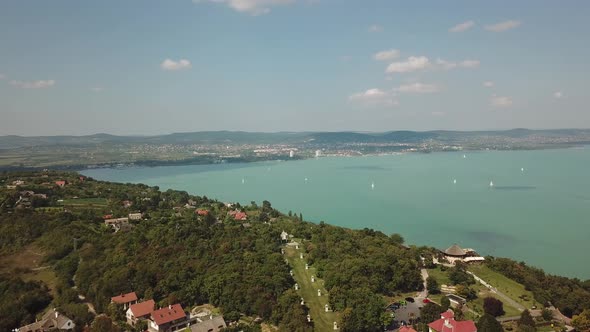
point(493, 306)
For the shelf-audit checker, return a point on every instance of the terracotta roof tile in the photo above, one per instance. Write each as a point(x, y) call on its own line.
point(168, 314)
point(125, 298)
point(143, 308)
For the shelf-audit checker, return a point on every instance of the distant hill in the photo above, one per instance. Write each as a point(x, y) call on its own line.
point(240, 137)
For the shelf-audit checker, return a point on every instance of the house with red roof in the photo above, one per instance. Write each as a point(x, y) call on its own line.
point(169, 318)
point(125, 299)
point(447, 323)
point(238, 215)
point(60, 183)
point(139, 311)
point(406, 328)
point(202, 212)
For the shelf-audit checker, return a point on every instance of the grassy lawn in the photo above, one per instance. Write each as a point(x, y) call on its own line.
point(323, 321)
point(482, 292)
point(441, 277)
point(85, 202)
point(505, 285)
point(477, 305)
point(23, 263)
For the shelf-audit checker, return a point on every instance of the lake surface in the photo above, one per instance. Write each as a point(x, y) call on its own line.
point(540, 215)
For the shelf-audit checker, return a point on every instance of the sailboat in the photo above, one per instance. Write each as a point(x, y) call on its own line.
point(243, 180)
point(454, 181)
point(464, 156)
point(305, 180)
point(522, 169)
point(372, 185)
point(491, 184)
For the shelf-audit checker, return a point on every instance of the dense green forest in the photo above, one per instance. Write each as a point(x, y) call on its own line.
point(177, 256)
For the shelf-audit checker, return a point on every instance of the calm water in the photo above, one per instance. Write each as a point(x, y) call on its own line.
point(540, 215)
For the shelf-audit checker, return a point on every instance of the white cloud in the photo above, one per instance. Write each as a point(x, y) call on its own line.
point(448, 65)
point(488, 84)
point(500, 101)
point(462, 26)
point(41, 84)
point(2, 76)
point(503, 26)
point(181, 64)
point(375, 28)
point(96, 89)
point(417, 88)
point(374, 97)
point(253, 7)
point(438, 113)
point(558, 95)
point(386, 55)
point(411, 64)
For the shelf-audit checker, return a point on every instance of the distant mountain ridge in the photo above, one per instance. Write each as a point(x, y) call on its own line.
point(241, 137)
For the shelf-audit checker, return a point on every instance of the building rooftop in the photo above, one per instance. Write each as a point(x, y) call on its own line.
point(455, 250)
point(124, 298)
point(168, 314)
point(142, 308)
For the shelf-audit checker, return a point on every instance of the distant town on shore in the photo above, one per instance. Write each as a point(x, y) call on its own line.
point(103, 150)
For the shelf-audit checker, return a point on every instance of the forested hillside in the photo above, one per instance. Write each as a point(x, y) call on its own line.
point(175, 255)
point(570, 296)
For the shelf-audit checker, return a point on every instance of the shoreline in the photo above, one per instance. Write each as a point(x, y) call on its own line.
point(248, 160)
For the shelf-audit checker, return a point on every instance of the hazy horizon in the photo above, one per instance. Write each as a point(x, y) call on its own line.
point(148, 67)
point(298, 132)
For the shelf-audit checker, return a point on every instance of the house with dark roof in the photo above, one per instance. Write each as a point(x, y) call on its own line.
point(213, 324)
point(447, 323)
point(52, 320)
point(125, 299)
point(139, 311)
point(170, 318)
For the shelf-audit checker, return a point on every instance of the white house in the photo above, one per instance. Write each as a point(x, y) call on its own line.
point(139, 311)
point(51, 321)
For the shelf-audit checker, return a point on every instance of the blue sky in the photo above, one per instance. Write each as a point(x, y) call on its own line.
point(151, 67)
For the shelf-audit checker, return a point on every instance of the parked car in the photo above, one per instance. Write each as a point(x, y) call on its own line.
point(426, 301)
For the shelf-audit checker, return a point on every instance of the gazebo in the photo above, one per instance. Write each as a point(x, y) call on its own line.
point(455, 251)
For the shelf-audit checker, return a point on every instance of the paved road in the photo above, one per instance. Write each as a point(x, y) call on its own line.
point(505, 297)
point(423, 294)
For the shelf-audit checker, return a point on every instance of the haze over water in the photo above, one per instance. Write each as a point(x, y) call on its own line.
point(540, 215)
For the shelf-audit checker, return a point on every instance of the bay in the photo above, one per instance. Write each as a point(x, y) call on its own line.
point(537, 211)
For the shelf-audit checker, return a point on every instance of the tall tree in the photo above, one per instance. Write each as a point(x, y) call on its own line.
point(582, 321)
point(488, 323)
point(430, 312)
point(445, 303)
point(526, 319)
point(493, 306)
point(432, 285)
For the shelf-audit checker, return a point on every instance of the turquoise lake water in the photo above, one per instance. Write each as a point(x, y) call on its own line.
point(540, 215)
